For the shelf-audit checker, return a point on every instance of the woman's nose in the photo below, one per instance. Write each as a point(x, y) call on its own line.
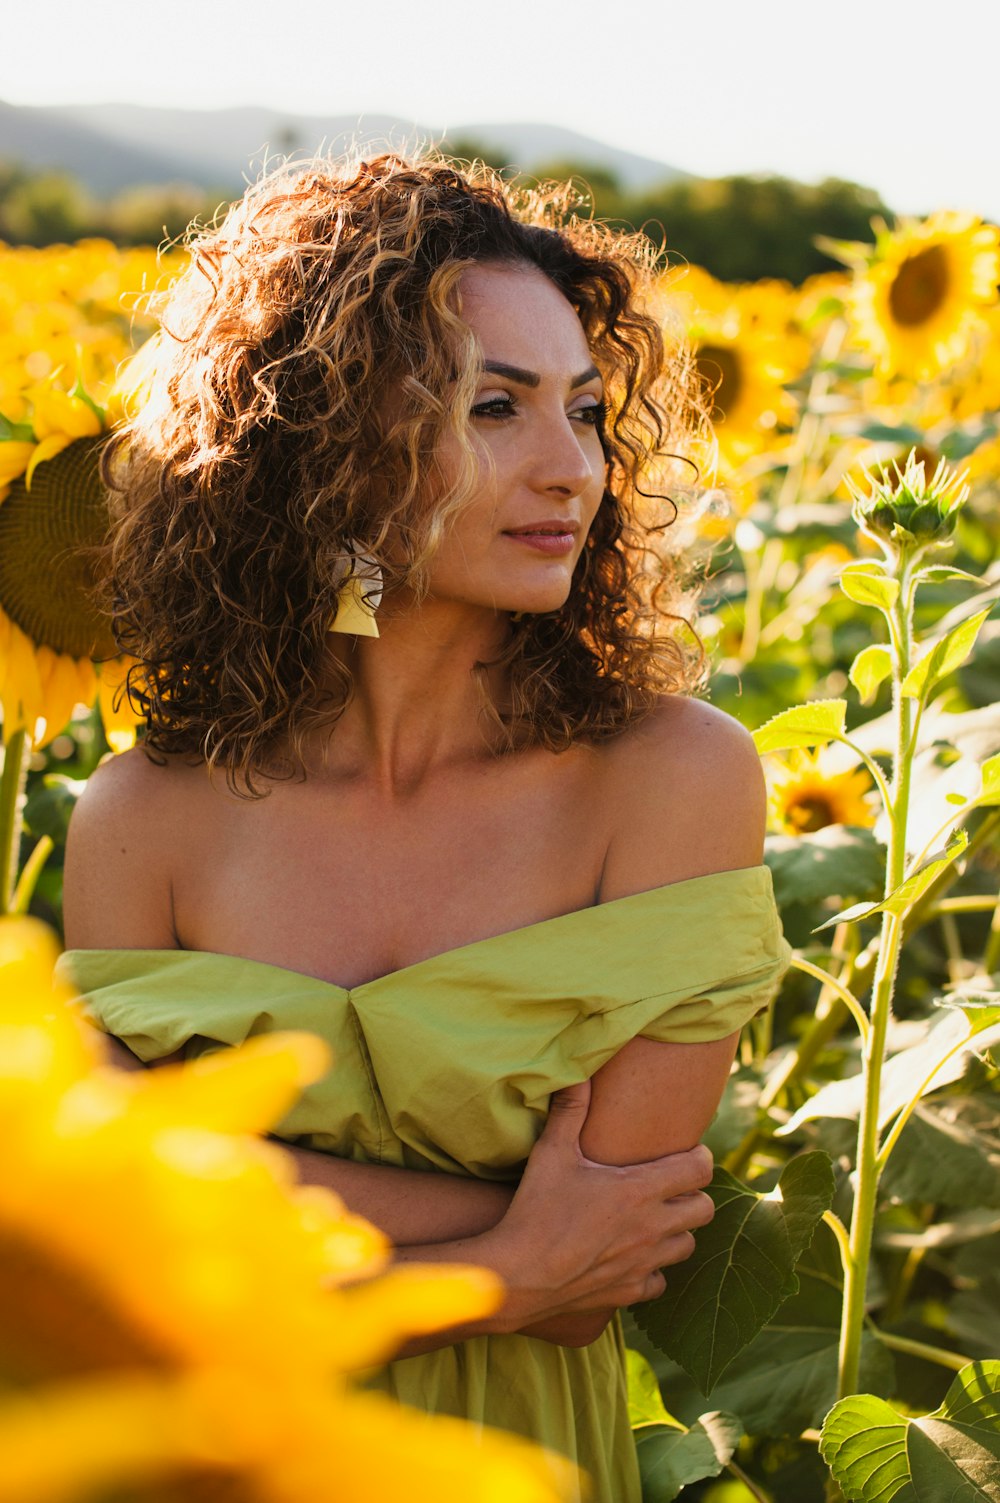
point(561, 462)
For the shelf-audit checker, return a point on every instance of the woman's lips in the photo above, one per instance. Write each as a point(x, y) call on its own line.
point(545, 541)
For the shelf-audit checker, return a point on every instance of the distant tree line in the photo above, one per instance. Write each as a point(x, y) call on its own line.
point(738, 228)
point(50, 208)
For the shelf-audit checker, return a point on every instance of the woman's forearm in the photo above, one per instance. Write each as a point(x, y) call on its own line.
point(413, 1207)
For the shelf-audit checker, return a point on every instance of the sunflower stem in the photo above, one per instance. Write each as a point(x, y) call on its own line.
point(12, 781)
point(868, 1165)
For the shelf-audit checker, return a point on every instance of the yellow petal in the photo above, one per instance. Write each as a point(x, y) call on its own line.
point(61, 687)
point(57, 414)
point(14, 460)
point(47, 449)
point(22, 698)
point(121, 722)
point(411, 1300)
point(244, 1090)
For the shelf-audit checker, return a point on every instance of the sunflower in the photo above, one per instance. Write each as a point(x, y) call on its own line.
point(52, 510)
point(744, 353)
point(920, 295)
point(805, 794)
point(179, 1319)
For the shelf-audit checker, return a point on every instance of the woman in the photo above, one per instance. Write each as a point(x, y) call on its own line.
point(474, 834)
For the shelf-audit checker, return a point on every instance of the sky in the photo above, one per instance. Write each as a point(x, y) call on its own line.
point(900, 95)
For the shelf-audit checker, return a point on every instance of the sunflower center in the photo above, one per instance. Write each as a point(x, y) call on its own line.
point(810, 812)
point(45, 574)
point(719, 368)
point(919, 287)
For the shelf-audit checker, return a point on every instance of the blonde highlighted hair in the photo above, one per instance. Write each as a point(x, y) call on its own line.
point(309, 362)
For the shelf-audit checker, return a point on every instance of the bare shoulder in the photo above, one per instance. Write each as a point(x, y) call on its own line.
point(117, 879)
point(687, 795)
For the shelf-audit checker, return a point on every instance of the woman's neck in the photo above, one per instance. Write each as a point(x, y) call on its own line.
point(417, 705)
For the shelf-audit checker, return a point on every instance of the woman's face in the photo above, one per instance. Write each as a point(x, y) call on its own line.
point(536, 416)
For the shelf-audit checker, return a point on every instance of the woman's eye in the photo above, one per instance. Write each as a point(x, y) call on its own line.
point(593, 415)
point(494, 407)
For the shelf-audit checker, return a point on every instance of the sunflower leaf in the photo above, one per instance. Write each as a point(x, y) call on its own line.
point(940, 1058)
point(944, 657)
point(870, 668)
point(812, 724)
point(940, 573)
point(670, 1459)
point(876, 1453)
point(786, 1380)
point(906, 895)
point(990, 792)
point(645, 1401)
point(842, 859)
point(869, 586)
point(741, 1271)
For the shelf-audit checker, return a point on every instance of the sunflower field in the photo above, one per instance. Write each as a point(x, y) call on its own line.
point(836, 1334)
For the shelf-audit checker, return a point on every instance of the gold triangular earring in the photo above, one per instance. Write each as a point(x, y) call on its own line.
point(359, 597)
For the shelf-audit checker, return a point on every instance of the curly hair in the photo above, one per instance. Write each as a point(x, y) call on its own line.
point(310, 360)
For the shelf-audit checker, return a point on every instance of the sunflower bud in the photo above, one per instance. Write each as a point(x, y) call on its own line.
point(906, 513)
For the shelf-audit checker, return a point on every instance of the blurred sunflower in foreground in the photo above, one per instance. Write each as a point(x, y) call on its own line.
point(52, 510)
point(178, 1318)
point(919, 297)
point(806, 793)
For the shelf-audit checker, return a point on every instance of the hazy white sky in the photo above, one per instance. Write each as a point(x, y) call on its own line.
point(898, 94)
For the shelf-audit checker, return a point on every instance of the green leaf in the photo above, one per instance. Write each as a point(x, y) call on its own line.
point(948, 1154)
point(935, 1062)
point(962, 442)
point(869, 585)
point(15, 433)
point(939, 573)
point(871, 667)
point(903, 434)
point(49, 806)
point(786, 1380)
point(990, 793)
point(950, 1456)
point(671, 1459)
point(845, 860)
point(944, 657)
point(908, 893)
point(741, 1270)
point(812, 724)
point(645, 1402)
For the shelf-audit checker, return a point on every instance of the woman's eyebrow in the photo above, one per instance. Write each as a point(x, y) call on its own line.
point(532, 378)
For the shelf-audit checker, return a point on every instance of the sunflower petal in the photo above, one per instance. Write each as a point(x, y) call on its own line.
point(47, 449)
point(14, 460)
point(22, 698)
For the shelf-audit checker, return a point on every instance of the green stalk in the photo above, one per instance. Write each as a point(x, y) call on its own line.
point(868, 1168)
point(12, 780)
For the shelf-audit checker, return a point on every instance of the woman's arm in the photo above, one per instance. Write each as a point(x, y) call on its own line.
point(690, 800)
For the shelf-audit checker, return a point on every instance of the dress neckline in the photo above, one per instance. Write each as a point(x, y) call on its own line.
point(608, 909)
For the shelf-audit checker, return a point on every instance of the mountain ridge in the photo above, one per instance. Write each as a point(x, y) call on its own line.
point(111, 147)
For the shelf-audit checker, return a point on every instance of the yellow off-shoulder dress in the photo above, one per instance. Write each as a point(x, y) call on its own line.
point(448, 1065)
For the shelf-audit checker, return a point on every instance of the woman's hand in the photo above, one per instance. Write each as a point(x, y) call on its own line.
point(581, 1239)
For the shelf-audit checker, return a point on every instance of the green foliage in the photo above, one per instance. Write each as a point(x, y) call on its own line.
point(742, 1269)
point(839, 860)
point(949, 1456)
point(672, 1454)
point(738, 227)
point(50, 208)
point(786, 1380)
